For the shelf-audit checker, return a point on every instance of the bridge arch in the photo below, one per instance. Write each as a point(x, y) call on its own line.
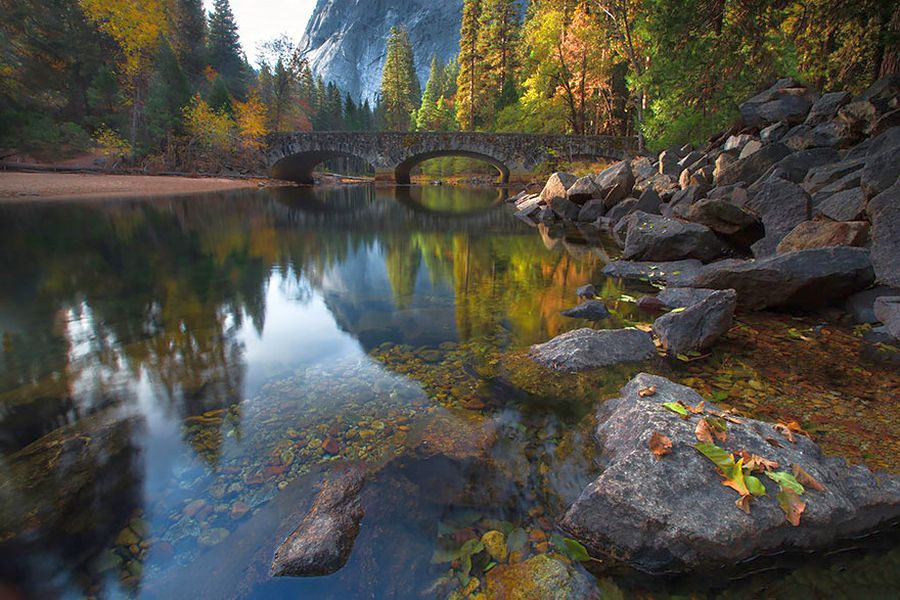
point(405, 167)
point(299, 167)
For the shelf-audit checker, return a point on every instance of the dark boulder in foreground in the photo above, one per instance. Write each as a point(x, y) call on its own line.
point(673, 514)
point(584, 349)
point(653, 237)
point(698, 325)
point(595, 310)
point(322, 543)
point(803, 279)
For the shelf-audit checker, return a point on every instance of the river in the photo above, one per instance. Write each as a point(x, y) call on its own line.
point(178, 374)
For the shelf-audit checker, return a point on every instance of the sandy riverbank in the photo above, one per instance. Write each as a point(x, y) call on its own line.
point(23, 187)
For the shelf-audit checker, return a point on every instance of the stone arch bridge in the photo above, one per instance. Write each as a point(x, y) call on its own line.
point(293, 156)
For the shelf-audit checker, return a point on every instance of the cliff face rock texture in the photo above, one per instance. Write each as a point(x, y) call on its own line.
point(345, 39)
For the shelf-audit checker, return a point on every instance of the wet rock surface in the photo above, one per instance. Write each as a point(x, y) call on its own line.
point(584, 349)
point(594, 310)
point(542, 576)
point(802, 279)
point(322, 542)
point(672, 514)
point(668, 272)
point(699, 324)
point(653, 237)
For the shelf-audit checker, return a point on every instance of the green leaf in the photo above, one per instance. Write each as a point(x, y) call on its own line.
point(683, 358)
point(786, 480)
point(755, 486)
point(516, 540)
point(675, 407)
point(571, 548)
point(626, 298)
point(723, 459)
point(678, 310)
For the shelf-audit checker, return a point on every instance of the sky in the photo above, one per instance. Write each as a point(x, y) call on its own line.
point(261, 20)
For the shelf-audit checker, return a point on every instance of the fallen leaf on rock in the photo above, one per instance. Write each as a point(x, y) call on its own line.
point(774, 442)
point(786, 432)
point(678, 408)
point(786, 481)
point(756, 463)
point(792, 505)
point(735, 479)
point(703, 432)
point(701, 406)
point(743, 503)
point(806, 479)
point(660, 445)
point(647, 391)
point(755, 486)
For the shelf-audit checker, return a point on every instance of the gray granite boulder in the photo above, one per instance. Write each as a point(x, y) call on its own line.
point(861, 305)
point(586, 291)
point(665, 272)
point(781, 205)
point(754, 166)
point(848, 205)
point(557, 186)
point(615, 183)
point(672, 514)
point(322, 542)
point(722, 216)
point(698, 325)
point(682, 297)
point(585, 349)
point(591, 210)
point(884, 210)
point(564, 208)
point(882, 163)
point(787, 101)
point(827, 107)
point(887, 310)
point(582, 190)
point(802, 279)
point(654, 237)
point(593, 310)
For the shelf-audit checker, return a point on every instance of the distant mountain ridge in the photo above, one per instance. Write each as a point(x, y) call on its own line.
point(345, 40)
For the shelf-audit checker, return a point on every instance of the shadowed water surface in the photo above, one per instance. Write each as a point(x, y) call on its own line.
point(177, 374)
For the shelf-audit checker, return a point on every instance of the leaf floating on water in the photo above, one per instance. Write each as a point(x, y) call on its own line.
point(678, 408)
point(647, 391)
point(806, 479)
point(786, 481)
point(683, 357)
point(660, 445)
point(627, 298)
point(792, 505)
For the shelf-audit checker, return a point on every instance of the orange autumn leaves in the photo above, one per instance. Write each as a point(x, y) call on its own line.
point(739, 470)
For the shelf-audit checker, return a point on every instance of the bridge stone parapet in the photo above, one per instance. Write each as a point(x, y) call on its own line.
point(294, 156)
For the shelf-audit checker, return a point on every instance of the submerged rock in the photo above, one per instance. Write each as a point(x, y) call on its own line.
point(806, 278)
point(698, 325)
point(672, 514)
point(594, 310)
point(322, 543)
point(542, 576)
point(584, 349)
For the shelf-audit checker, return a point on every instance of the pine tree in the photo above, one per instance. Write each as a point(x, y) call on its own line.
point(225, 54)
point(468, 81)
point(425, 116)
point(351, 114)
point(169, 93)
point(189, 37)
point(400, 88)
point(499, 33)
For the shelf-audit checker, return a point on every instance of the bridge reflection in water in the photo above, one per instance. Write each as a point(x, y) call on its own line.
point(293, 156)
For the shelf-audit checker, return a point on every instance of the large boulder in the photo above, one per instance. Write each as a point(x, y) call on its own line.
point(824, 234)
point(698, 325)
point(672, 514)
point(726, 218)
point(584, 349)
point(787, 101)
point(884, 210)
point(594, 310)
point(847, 205)
point(564, 208)
point(887, 310)
point(654, 237)
point(781, 205)
point(322, 542)
point(861, 305)
point(882, 163)
point(682, 297)
point(820, 177)
point(664, 272)
point(557, 186)
point(754, 166)
point(582, 190)
point(615, 183)
point(827, 107)
point(591, 210)
point(622, 209)
point(796, 165)
point(806, 278)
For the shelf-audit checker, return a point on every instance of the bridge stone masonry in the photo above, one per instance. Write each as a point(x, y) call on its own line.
point(294, 156)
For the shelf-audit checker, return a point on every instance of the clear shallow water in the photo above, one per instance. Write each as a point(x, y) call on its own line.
point(177, 375)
